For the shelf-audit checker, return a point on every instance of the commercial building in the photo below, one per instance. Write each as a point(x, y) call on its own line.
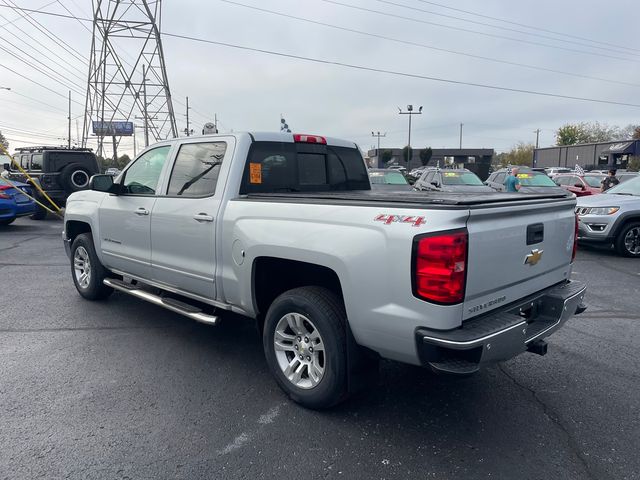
point(478, 160)
point(588, 155)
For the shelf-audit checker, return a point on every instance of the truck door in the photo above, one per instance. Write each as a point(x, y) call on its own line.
point(183, 222)
point(125, 219)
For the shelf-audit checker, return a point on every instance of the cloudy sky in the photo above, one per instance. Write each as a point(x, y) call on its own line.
point(578, 48)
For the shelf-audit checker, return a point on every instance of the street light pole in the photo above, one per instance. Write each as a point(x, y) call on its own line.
point(378, 134)
point(411, 113)
point(461, 125)
point(537, 132)
point(69, 119)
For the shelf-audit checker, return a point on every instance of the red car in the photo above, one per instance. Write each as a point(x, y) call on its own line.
point(581, 185)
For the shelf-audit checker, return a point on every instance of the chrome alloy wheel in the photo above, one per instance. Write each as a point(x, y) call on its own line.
point(299, 350)
point(632, 241)
point(82, 267)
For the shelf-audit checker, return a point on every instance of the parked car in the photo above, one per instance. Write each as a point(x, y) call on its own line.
point(283, 228)
point(59, 172)
point(580, 185)
point(13, 201)
point(553, 171)
point(451, 180)
point(612, 218)
point(624, 176)
point(530, 182)
point(387, 179)
point(397, 167)
point(112, 171)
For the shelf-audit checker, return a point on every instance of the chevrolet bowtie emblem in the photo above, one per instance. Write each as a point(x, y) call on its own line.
point(534, 257)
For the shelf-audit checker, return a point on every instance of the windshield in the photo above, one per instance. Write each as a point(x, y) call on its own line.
point(632, 187)
point(460, 178)
point(594, 180)
point(535, 179)
point(387, 178)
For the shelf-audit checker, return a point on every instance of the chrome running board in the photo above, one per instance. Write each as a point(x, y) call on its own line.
point(190, 311)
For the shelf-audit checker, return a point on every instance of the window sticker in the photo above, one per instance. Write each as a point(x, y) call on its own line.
point(255, 173)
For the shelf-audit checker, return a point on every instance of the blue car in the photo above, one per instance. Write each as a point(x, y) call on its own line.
point(14, 203)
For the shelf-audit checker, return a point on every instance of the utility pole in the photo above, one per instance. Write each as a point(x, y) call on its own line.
point(461, 125)
point(69, 121)
point(535, 153)
point(537, 132)
point(186, 130)
point(378, 134)
point(411, 113)
point(144, 100)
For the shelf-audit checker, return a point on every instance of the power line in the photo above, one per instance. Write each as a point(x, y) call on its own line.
point(20, 17)
point(402, 74)
point(378, 70)
point(515, 30)
point(37, 83)
point(431, 47)
point(492, 35)
point(536, 27)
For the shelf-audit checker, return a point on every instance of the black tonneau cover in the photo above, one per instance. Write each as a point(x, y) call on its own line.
point(411, 199)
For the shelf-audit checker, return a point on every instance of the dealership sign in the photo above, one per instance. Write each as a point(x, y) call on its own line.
point(112, 128)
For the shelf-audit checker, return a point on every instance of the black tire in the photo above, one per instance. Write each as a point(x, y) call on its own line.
point(74, 177)
point(326, 311)
point(7, 221)
point(620, 243)
point(94, 288)
point(40, 213)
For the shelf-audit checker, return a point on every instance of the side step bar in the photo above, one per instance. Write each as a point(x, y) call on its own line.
point(174, 305)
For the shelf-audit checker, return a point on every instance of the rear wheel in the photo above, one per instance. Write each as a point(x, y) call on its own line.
point(86, 270)
point(304, 341)
point(627, 242)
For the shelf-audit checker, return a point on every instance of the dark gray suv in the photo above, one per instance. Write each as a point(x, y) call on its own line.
point(59, 171)
point(530, 181)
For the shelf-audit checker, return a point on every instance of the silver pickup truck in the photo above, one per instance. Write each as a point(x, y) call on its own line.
point(285, 229)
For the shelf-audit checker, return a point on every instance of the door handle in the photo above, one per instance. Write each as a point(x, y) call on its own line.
point(202, 217)
point(141, 211)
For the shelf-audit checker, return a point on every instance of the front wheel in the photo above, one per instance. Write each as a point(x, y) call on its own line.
point(627, 242)
point(305, 345)
point(39, 214)
point(86, 270)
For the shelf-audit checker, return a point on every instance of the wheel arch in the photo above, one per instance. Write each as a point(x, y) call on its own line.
point(272, 276)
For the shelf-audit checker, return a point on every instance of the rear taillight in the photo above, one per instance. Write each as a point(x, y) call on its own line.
point(440, 267)
point(575, 241)
point(304, 138)
point(3, 195)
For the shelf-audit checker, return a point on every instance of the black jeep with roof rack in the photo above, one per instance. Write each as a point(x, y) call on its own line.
point(59, 171)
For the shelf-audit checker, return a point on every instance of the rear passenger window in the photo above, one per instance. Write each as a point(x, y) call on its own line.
point(292, 167)
point(24, 161)
point(36, 161)
point(195, 173)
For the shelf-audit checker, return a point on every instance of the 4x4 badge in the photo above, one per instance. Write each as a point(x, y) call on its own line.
point(534, 257)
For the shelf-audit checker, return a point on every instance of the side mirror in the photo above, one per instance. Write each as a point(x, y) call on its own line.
point(101, 183)
point(435, 184)
point(6, 166)
point(579, 185)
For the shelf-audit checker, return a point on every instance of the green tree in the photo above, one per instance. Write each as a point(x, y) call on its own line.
point(520, 154)
point(571, 134)
point(386, 157)
point(4, 142)
point(636, 133)
point(123, 160)
point(425, 156)
point(407, 154)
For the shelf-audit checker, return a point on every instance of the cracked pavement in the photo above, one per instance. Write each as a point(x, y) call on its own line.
point(124, 389)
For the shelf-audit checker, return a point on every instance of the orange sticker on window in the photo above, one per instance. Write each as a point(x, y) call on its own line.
point(255, 173)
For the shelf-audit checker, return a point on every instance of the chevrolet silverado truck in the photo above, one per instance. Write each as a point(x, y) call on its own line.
point(284, 228)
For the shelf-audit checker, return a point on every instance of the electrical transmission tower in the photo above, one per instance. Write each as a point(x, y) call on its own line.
point(118, 89)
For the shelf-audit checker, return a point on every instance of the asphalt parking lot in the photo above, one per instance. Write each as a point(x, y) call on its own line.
point(124, 389)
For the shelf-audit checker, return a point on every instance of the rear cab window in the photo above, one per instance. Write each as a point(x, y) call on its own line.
point(274, 167)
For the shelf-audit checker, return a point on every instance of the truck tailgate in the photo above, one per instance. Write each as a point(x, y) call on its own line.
point(515, 251)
